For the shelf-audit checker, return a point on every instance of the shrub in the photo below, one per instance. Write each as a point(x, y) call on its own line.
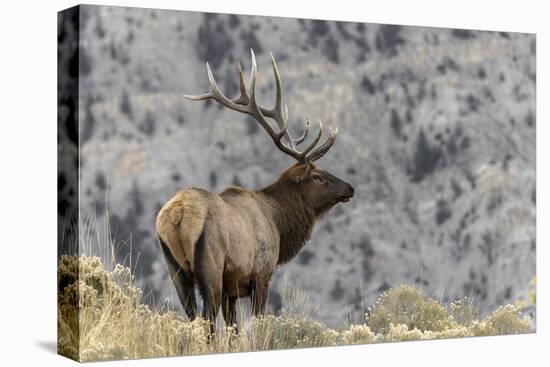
point(358, 334)
point(531, 296)
point(271, 332)
point(406, 305)
point(401, 332)
point(457, 331)
point(504, 320)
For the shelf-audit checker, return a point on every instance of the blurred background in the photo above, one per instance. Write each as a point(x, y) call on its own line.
point(436, 134)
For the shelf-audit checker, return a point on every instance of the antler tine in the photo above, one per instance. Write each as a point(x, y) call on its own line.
point(243, 98)
point(253, 75)
point(301, 139)
point(217, 95)
point(201, 97)
point(259, 113)
point(278, 113)
point(278, 109)
point(213, 84)
point(288, 136)
point(314, 142)
point(238, 104)
point(320, 151)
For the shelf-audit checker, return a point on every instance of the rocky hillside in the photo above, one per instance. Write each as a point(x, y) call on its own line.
point(437, 134)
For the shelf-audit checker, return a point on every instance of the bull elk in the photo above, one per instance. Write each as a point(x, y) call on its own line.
point(229, 244)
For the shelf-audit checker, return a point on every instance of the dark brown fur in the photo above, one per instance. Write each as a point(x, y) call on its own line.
point(294, 219)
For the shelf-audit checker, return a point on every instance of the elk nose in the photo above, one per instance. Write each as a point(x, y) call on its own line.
point(351, 190)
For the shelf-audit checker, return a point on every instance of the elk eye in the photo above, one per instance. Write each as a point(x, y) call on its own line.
point(315, 176)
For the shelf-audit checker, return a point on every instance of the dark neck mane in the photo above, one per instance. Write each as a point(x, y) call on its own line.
point(294, 220)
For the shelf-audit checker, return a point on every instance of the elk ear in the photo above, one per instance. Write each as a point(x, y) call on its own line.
point(299, 178)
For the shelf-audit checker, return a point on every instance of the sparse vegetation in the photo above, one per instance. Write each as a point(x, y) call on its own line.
point(101, 316)
point(531, 298)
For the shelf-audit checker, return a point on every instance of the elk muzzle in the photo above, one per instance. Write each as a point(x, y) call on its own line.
point(348, 193)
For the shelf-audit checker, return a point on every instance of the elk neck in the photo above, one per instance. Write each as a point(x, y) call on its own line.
point(294, 219)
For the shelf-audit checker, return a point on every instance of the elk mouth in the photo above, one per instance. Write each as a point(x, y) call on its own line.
point(347, 197)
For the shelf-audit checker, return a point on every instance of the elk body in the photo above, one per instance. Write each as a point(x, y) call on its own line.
point(229, 244)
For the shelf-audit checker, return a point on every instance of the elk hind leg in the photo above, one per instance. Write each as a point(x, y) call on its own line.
point(259, 297)
point(183, 282)
point(229, 311)
point(208, 272)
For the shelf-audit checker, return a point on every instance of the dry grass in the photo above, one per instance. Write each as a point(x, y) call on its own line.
point(101, 316)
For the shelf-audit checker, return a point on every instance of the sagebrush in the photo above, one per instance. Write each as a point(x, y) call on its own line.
point(101, 316)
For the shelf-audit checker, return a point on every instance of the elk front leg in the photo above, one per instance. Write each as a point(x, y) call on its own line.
point(259, 297)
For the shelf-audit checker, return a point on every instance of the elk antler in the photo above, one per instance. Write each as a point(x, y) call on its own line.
point(246, 103)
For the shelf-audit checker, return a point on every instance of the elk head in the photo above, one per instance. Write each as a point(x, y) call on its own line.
point(320, 190)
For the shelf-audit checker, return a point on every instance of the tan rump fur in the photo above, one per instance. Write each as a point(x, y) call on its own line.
point(180, 223)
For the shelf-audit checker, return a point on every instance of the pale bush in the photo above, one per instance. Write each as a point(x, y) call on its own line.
point(529, 302)
point(459, 331)
point(271, 332)
point(504, 320)
point(295, 327)
point(407, 305)
point(358, 334)
point(401, 332)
